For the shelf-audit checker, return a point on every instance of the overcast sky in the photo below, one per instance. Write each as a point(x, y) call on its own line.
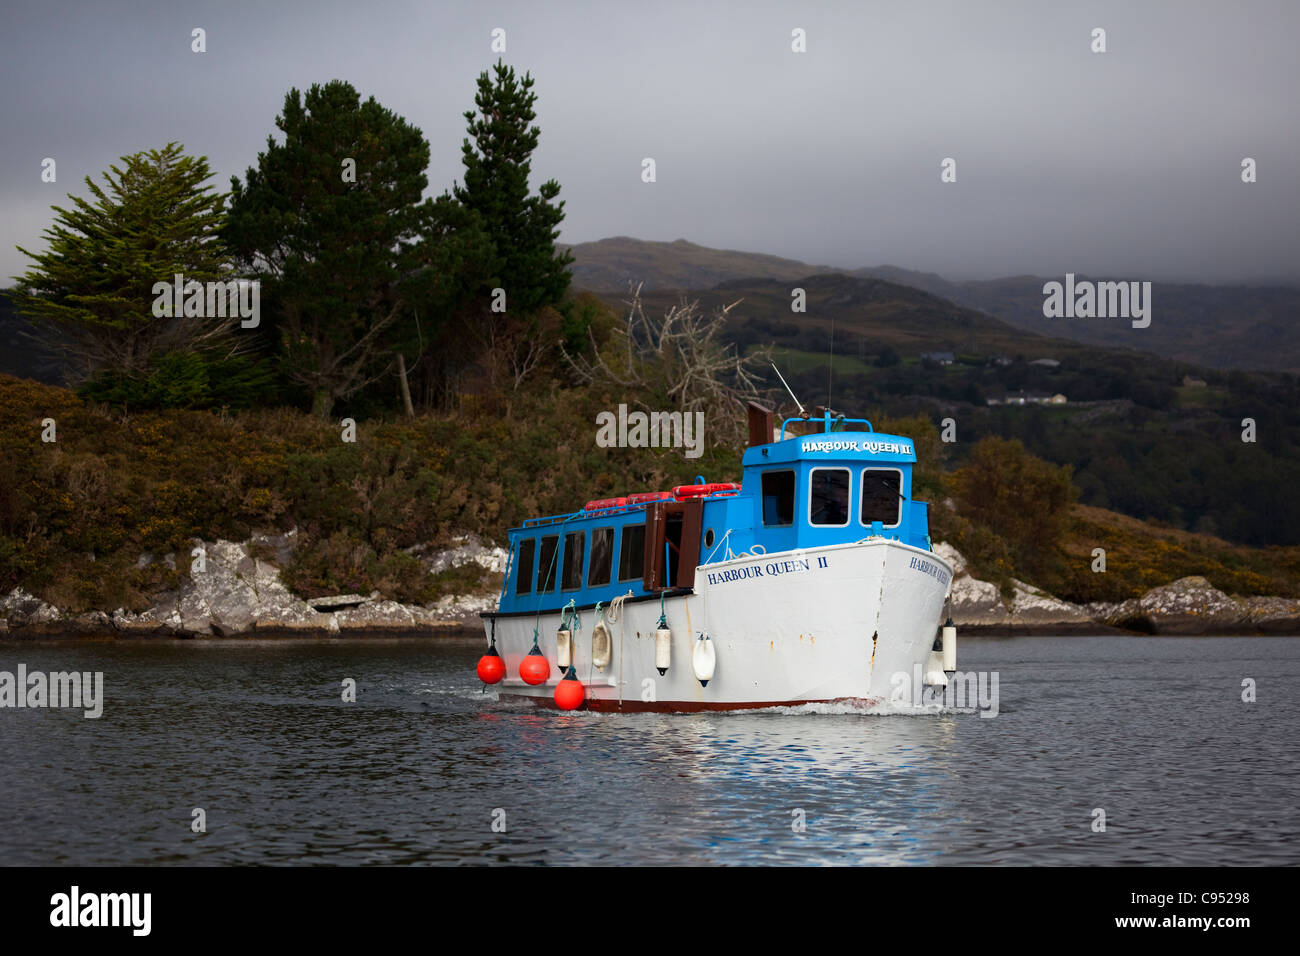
point(1124, 164)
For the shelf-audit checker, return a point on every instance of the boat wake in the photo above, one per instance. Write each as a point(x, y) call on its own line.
point(872, 707)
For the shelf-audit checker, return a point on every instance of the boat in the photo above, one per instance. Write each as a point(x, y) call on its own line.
point(811, 580)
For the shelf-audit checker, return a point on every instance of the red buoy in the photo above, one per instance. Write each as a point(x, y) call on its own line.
point(491, 668)
point(534, 668)
point(700, 491)
point(569, 693)
point(601, 503)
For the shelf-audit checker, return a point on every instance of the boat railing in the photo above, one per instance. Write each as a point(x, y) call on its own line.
point(612, 511)
point(827, 422)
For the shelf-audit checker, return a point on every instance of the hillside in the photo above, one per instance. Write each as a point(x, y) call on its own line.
point(1250, 327)
point(867, 315)
point(1216, 326)
point(1140, 439)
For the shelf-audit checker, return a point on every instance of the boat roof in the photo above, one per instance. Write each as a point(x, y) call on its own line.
point(834, 446)
point(836, 443)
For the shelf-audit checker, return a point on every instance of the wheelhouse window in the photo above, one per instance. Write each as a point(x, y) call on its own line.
point(881, 495)
point(778, 498)
point(575, 546)
point(631, 553)
point(602, 556)
point(546, 563)
point(828, 497)
point(524, 566)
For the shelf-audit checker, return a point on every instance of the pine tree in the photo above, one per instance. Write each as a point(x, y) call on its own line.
point(90, 294)
point(331, 219)
point(523, 228)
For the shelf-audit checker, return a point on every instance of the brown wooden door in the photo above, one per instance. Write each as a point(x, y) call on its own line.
point(676, 525)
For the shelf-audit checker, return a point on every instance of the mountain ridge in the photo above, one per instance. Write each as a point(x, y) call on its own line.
point(1216, 326)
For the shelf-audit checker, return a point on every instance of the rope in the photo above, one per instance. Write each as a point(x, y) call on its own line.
point(709, 560)
point(616, 607)
point(615, 613)
point(598, 613)
point(505, 583)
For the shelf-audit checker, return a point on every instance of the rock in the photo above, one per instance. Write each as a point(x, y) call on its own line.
point(974, 602)
point(1032, 606)
point(234, 591)
point(338, 601)
point(1272, 614)
point(977, 603)
point(92, 622)
point(465, 608)
point(234, 594)
point(1191, 605)
point(281, 544)
point(383, 615)
point(465, 549)
point(21, 609)
point(951, 555)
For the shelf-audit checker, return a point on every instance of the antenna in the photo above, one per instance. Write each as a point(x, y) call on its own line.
point(787, 388)
point(830, 366)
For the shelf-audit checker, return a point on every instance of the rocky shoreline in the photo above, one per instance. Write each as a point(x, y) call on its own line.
point(1188, 606)
point(240, 595)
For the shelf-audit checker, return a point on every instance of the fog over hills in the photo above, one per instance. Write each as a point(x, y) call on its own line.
point(1218, 326)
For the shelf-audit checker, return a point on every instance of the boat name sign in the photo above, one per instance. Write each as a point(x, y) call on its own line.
point(770, 570)
point(930, 568)
point(853, 444)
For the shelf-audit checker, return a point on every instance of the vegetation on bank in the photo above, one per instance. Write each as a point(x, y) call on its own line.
point(76, 514)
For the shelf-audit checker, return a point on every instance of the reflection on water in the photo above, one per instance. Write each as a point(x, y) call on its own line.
point(257, 734)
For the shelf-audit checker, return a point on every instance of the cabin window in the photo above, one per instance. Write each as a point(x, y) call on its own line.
point(602, 555)
point(546, 564)
point(631, 553)
point(575, 547)
point(881, 495)
point(778, 498)
point(524, 566)
point(828, 497)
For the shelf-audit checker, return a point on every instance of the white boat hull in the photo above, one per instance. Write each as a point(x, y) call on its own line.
point(822, 624)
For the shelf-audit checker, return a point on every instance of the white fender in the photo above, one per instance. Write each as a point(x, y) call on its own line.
point(949, 646)
point(663, 649)
point(564, 649)
point(602, 647)
point(934, 675)
point(703, 659)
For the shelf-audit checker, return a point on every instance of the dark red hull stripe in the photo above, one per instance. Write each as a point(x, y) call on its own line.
point(666, 706)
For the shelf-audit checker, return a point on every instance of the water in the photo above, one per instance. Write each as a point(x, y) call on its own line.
point(1152, 730)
